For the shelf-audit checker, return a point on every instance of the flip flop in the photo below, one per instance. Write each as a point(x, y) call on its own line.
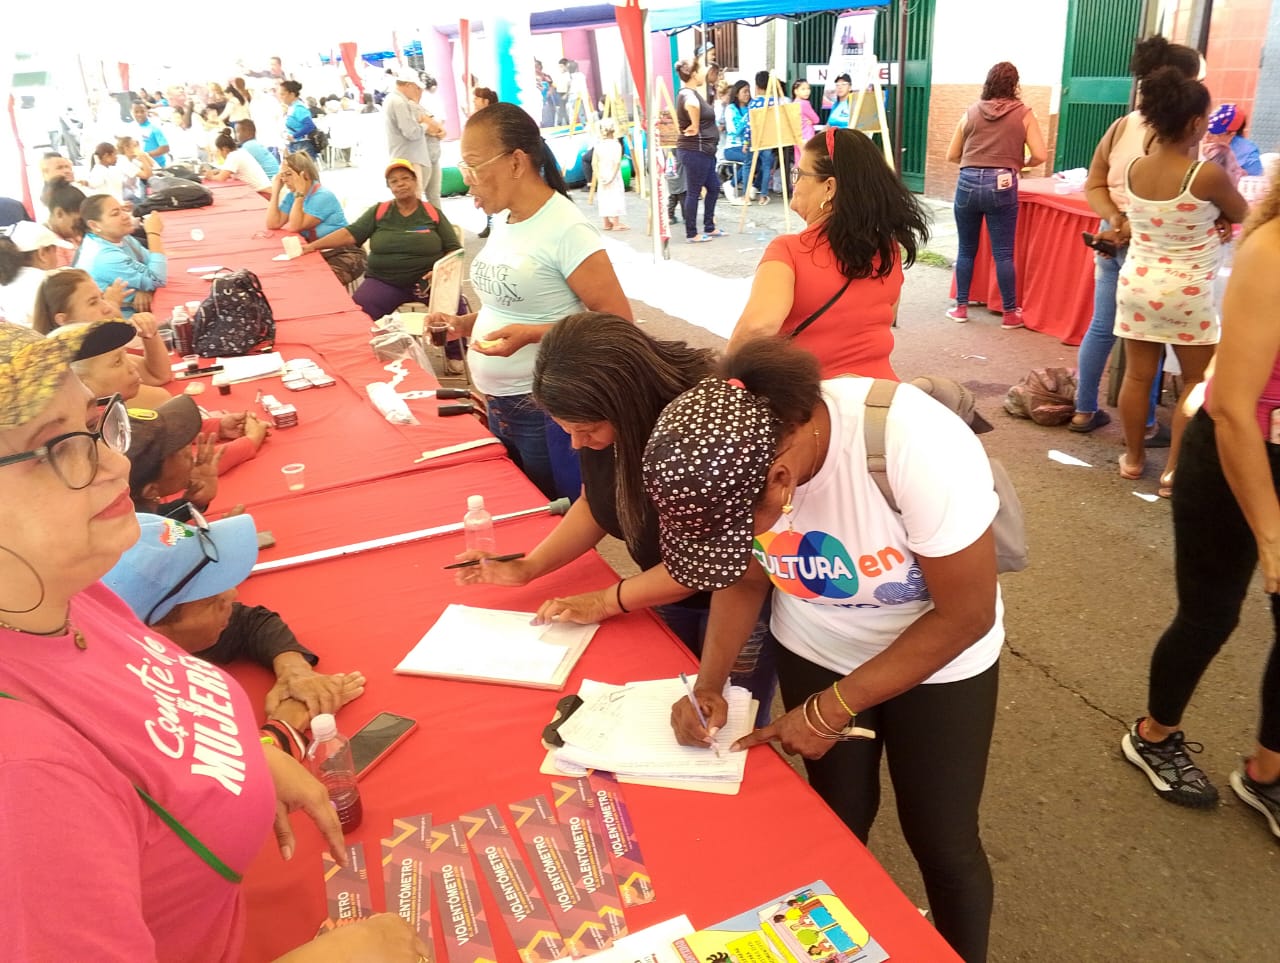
point(1128, 473)
point(698, 239)
point(1096, 420)
point(716, 233)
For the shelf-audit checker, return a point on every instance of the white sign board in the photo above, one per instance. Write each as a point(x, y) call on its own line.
point(820, 75)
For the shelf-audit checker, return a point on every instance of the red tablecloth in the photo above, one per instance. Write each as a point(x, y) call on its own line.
point(235, 236)
point(709, 856)
point(1055, 270)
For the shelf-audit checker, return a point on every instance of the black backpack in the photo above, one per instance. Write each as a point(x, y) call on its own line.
point(166, 193)
point(235, 318)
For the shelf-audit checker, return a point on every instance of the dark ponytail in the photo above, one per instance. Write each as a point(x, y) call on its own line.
point(1155, 52)
point(1169, 102)
point(515, 130)
point(784, 375)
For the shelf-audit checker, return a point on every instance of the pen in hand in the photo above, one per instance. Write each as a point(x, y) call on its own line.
point(688, 687)
point(493, 558)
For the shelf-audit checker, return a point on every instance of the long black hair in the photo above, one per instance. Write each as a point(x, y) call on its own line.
point(516, 130)
point(600, 367)
point(873, 212)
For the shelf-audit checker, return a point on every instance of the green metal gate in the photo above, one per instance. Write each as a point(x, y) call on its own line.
point(809, 42)
point(1096, 84)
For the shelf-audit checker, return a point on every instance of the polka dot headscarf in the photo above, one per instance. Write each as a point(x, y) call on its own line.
point(704, 467)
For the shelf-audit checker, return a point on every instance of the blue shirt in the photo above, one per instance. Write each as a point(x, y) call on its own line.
point(736, 125)
point(255, 149)
point(1247, 155)
point(840, 111)
point(321, 203)
point(129, 261)
point(299, 123)
point(150, 138)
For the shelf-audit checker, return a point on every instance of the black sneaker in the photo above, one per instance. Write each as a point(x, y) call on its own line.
point(1261, 796)
point(1171, 771)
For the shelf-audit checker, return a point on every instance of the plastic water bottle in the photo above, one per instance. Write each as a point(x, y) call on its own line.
point(478, 526)
point(329, 759)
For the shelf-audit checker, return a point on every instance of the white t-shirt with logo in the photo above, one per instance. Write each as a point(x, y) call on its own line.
point(521, 277)
point(846, 580)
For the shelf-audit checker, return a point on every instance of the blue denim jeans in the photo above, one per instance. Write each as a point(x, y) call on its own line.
point(756, 666)
point(977, 197)
point(699, 172)
point(541, 448)
point(1096, 345)
point(764, 168)
point(744, 167)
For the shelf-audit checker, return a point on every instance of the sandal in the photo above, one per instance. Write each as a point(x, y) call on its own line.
point(716, 233)
point(762, 200)
point(698, 239)
point(1128, 473)
point(1096, 420)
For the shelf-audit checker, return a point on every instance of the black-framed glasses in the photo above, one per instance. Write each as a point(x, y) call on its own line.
point(468, 171)
point(797, 173)
point(74, 456)
point(207, 548)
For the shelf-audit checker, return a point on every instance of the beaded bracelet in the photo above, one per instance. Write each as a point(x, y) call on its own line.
point(617, 595)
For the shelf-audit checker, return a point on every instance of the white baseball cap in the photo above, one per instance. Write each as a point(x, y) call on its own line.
point(407, 75)
point(30, 236)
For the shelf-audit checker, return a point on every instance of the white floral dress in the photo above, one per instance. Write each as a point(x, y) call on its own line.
point(1166, 284)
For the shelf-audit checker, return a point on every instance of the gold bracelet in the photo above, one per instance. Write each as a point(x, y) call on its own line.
point(817, 710)
point(835, 687)
point(804, 709)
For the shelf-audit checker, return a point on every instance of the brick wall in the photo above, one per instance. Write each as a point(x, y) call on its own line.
point(947, 102)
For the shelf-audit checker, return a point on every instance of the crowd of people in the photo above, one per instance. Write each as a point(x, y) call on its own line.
point(741, 484)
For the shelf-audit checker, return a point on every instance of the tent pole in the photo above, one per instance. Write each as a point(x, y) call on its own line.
point(899, 92)
point(652, 150)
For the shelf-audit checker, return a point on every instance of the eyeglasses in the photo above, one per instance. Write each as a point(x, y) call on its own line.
point(74, 456)
point(207, 547)
point(797, 173)
point(468, 171)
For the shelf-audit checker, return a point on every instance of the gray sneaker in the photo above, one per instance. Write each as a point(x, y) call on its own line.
point(1261, 796)
point(1172, 773)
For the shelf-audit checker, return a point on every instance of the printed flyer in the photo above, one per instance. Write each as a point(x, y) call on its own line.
point(406, 873)
point(346, 888)
point(551, 857)
point(576, 811)
point(620, 837)
point(801, 926)
point(526, 913)
point(462, 920)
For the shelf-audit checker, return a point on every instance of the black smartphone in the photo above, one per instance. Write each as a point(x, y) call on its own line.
point(376, 738)
point(1099, 244)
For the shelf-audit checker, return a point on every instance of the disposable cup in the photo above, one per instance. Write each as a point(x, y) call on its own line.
point(294, 476)
point(197, 234)
point(193, 307)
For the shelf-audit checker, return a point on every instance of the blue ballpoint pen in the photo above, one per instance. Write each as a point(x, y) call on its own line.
point(688, 688)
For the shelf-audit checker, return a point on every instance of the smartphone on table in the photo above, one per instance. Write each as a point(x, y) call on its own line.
point(374, 741)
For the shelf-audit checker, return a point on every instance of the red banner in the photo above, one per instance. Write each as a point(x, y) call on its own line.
point(631, 28)
point(350, 62)
point(21, 154)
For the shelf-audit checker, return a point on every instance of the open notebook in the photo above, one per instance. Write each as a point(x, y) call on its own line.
point(494, 645)
point(626, 729)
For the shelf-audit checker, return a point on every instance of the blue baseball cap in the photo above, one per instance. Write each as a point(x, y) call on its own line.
point(168, 552)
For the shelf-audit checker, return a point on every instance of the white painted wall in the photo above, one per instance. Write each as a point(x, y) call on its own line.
point(969, 36)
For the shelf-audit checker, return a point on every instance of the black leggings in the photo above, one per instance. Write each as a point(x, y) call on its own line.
point(937, 738)
point(1215, 554)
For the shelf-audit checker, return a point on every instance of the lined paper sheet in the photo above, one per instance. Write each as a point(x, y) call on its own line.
point(493, 645)
point(627, 730)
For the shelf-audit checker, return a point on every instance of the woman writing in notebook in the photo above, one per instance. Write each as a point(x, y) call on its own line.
point(605, 382)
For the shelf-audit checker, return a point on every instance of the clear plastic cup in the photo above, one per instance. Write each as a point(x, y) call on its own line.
point(192, 361)
point(193, 307)
point(294, 476)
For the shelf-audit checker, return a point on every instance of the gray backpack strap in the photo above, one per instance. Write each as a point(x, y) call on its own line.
point(879, 398)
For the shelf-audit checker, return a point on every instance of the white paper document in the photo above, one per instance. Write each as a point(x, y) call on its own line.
point(493, 645)
point(627, 730)
point(248, 367)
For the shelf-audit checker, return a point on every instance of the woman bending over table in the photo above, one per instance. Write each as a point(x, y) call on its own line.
point(543, 260)
point(112, 734)
point(605, 383)
point(991, 144)
point(298, 122)
point(834, 287)
point(110, 253)
point(887, 621)
point(1166, 285)
point(406, 237)
point(1226, 518)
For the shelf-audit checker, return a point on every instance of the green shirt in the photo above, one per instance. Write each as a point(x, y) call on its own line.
point(403, 249)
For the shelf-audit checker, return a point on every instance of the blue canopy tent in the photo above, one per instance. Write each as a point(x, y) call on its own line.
point(674, 16)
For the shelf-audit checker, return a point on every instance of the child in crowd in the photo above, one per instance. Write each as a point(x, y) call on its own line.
point(611, 197)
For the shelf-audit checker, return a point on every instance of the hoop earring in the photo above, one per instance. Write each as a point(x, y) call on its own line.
point(825, 205)
point(39, 582)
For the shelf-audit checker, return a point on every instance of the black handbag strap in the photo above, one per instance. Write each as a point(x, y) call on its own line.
point(822, 310)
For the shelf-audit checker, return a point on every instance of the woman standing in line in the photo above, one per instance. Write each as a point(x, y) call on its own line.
point(996, 138)
point(1226, 518)
point(696, 148)
point(543, 260)
point(1166, 285)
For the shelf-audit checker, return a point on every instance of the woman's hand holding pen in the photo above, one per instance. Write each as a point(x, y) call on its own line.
point(686, 725)
point(492, 572)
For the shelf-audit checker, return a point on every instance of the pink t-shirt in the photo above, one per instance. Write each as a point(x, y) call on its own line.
point(95, 874)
